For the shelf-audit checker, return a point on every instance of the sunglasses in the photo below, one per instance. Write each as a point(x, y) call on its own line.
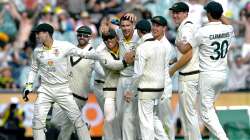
point(83, 35)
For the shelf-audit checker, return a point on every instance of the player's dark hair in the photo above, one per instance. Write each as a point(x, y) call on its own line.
point(215, 15)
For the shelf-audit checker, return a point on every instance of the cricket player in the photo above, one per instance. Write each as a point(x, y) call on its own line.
point(149, 66)
point(51, 59)
point(112, 67)
point(159, 27)
point(80, 75)
point(213, 40)
point(98, 77)
point(127, 111)
point(189, 73)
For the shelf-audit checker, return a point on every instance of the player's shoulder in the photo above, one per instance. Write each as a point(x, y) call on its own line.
point(64, 43)
point(38, 49)
point(188, 23)
point(165, 41)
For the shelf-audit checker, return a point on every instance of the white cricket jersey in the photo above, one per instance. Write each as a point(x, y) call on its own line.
point(213, 40)
point(80, 74)
point(126, 46)
point(111, 66)
point(98, 73)
point(170, 54)
point(185, 33)
point(150, 63)
point(53, 63)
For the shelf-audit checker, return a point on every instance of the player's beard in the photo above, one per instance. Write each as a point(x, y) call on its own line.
point(82, 42)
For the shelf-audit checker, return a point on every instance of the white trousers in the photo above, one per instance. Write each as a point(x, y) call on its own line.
point(127, 112)
point(166, 117)
point(210, 85)
point(150, 125)
point(188, 92)
point(61, 121)
point(60, 94)
point(111, 125)
point(166, 113)
point(98, 90)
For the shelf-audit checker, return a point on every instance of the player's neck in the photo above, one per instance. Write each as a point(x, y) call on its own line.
point(82, 45)
point(214, 20)
point(128, 38)
point(115, 49)
point(160, 37)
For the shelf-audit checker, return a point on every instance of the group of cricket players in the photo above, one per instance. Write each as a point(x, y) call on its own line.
point(132, 70)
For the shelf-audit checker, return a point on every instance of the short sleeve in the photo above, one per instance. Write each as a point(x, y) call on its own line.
point(187, 33)
point(196, 40)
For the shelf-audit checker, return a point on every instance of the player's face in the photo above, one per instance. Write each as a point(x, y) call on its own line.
point(83, 39)
point(157, 30)
point(42, 36)
point(178, 17)
point(127, 28)
point(111, 42)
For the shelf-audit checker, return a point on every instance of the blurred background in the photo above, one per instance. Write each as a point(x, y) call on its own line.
point(19, 17)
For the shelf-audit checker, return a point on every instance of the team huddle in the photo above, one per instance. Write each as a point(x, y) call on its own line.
point(132, 70)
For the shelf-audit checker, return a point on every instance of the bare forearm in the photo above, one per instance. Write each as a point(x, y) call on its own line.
point(181, 62)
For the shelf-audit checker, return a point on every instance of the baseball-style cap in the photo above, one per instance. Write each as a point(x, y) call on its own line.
point(143, 25)
point(44, 27)
point(109, 35)
point(214, 8)
point(159, 20)
point(179, 7)
point(84, 30)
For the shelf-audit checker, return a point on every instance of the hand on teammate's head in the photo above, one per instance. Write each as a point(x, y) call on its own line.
point(131, 17)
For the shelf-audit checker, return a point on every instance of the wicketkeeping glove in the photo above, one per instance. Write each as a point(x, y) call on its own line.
point(27, 90)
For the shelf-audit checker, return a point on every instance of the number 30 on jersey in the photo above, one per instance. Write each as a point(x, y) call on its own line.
point(221, 49)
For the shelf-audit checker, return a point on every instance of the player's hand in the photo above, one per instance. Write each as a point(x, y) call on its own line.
point(27, 90)
point(128, 96)
point(131, 17)
point(129, 57)
point(104, 28)
point(171, 72)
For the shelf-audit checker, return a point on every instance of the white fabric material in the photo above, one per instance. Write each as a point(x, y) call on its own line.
point(111, 67)
point(126, 46)
point(111, 126)
point(188, 85)
point(245, 50)
point(126, 111)
point(53, 66)
point(80, 75)
point(166, 117)
point(210, 85)
point(99, 75)
point(53, 63)
point(79, 84)
point(213, 41)
point(64, 98)
point(185, 34)
point(150, 125)
point(188, 92)
point(165, 109)
point(150, 64)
